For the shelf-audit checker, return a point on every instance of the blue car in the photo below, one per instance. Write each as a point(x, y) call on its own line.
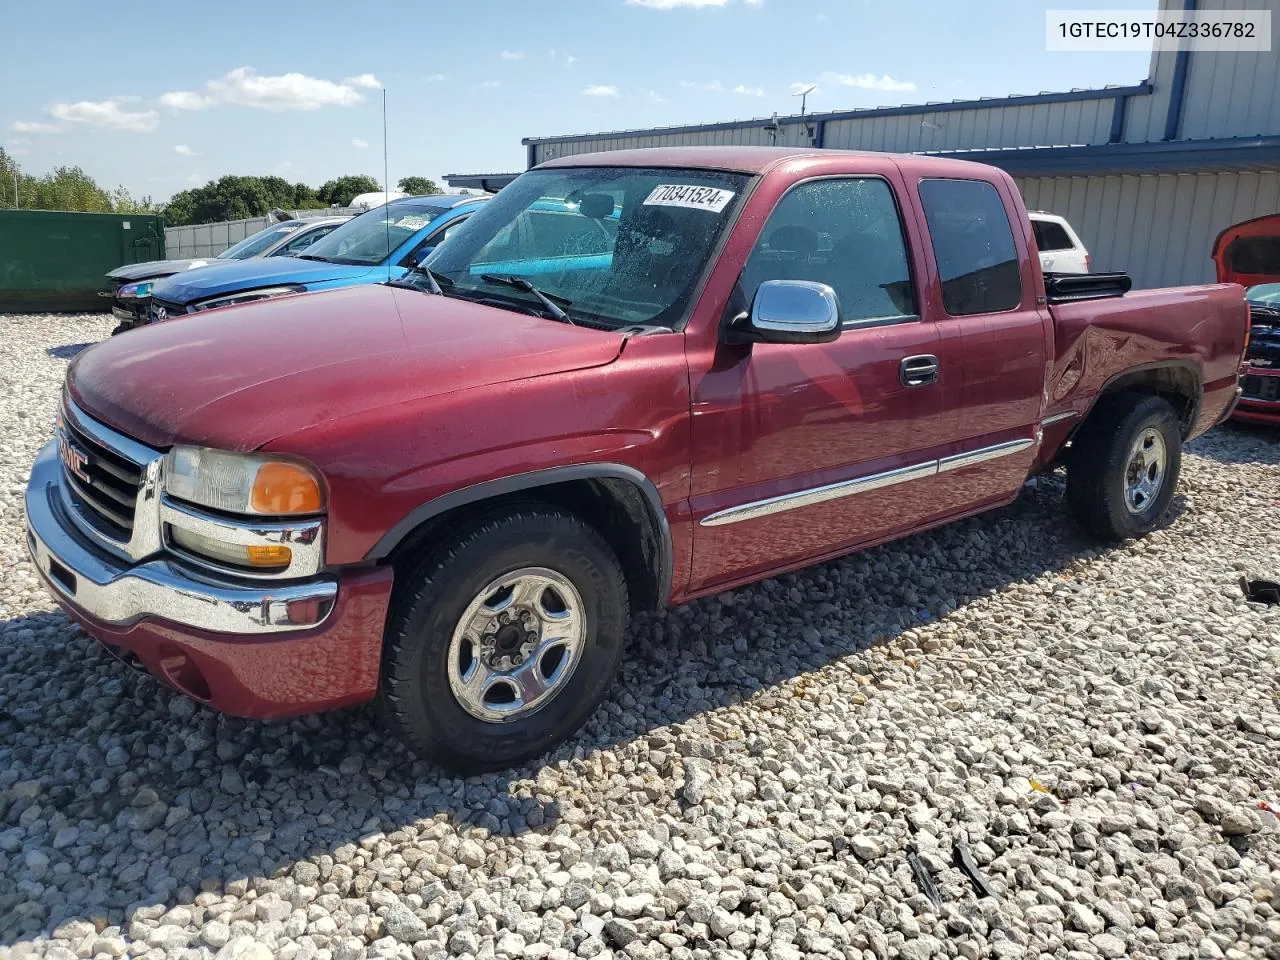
point(379, 245)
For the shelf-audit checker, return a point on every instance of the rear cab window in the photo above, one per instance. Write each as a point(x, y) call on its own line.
point(973, 246)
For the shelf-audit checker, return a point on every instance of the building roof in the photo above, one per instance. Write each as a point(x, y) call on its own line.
point(1100, 93)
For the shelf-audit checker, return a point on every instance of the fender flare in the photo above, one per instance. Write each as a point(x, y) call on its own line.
point(504, 486)
point(1186, 366)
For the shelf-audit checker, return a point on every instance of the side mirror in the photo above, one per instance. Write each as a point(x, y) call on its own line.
point(790, 311)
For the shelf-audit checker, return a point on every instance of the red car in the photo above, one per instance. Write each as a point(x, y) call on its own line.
point(448, 493)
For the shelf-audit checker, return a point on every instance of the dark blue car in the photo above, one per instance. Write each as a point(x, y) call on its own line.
point(379, 245)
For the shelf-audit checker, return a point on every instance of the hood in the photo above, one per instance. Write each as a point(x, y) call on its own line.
point(238, 377)
point(232, 276)
point(131, 272)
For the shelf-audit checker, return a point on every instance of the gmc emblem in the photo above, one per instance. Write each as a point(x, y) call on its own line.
point(73, 459)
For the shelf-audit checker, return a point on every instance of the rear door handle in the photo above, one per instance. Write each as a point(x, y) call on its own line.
point(918, 371)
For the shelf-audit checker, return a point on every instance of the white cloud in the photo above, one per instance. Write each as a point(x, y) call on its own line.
point(710, 86)
point(186, 100)
point(359, 144)
point(754, 3)
point(600, 90)
point(868, 81)
point(570, 60)
point(797, 87)
point(18, 151)
point(435, 78)
point(24, 126)
point(514, 55)
point(19, 142)
point(366, 80)
point(183, 150)
point(749, 91)
point(289, 91)
point(490, 85)
point(673, 4)
point(108, 115)
point(656, 97)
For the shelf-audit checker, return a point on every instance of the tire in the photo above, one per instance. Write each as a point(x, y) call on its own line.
point(1108, 500)
point(424, 695)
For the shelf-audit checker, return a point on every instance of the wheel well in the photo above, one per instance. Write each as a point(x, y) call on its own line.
point(615, 508)
point(1179, 385)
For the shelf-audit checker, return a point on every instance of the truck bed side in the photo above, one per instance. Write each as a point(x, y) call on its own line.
point(1186, 342)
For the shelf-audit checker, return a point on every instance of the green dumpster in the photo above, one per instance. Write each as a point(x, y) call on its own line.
point(55, 261)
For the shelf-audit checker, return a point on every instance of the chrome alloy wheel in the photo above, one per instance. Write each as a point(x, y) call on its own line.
point(1144, 476)
point(516, 644)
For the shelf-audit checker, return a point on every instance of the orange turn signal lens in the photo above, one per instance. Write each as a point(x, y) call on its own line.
point(285, 488)
point(272, 556)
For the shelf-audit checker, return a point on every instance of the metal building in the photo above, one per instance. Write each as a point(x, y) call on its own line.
point(1148, 174)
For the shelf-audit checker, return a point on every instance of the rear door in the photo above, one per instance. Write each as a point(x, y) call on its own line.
point(990, 304)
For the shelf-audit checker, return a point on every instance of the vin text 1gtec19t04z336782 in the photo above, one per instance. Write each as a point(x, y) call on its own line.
point(448, 492)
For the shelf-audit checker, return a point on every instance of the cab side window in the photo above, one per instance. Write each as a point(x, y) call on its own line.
point(845, 233)
point(973, 246)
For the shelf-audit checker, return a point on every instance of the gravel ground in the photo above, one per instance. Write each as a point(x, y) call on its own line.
point(1096, 728)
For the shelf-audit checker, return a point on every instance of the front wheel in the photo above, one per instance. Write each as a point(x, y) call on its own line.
point(502, 643)
point(1124, 466)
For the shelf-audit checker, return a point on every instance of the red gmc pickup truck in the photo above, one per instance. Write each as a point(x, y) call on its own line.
point(632, 379)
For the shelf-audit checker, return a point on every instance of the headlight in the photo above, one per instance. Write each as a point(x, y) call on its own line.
point(131, 291)
point(248, 296)
point(241, 483)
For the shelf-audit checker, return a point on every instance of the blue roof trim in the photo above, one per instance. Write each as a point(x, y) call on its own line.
point(1176, 156)
point(1103, 93)
point(1181, 68)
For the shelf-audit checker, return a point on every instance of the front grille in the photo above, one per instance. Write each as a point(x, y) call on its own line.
point(108, 489)
point(1262, 388)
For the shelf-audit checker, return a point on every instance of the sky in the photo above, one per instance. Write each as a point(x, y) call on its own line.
point(159, 101)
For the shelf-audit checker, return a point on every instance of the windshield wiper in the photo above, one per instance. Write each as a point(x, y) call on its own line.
point(432, 283)
point(549, 300)
point(312, 256)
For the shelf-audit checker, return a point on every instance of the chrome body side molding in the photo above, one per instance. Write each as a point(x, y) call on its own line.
point(848, 488)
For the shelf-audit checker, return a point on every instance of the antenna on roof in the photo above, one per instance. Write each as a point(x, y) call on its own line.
point(803, 94)
point(386, 187)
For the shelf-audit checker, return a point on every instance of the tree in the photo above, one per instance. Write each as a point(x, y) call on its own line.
point(345, 189)
point(419, 186)
point(9, 170)
point(122, 202)
point(238, 198)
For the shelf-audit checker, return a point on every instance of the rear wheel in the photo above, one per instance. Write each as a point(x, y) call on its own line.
point(1124, 466)
point(502, 643)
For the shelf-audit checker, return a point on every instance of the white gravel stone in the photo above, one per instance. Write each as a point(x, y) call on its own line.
point(1097, 725)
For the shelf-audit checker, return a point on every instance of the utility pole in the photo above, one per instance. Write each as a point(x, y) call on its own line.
point(16, 204)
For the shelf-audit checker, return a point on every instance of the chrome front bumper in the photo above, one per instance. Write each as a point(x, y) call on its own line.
point(112, 591)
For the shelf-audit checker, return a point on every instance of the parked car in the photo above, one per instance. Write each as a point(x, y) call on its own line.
point(1260, 402)
point(1248, 253)
point(131, 284)
point(1060, 247)
point(356, 252)
point(449, 492)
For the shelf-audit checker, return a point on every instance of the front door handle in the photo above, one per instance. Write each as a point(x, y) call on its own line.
point(918, 371)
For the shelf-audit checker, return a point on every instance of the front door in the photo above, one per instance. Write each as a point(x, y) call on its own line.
point(807, 450)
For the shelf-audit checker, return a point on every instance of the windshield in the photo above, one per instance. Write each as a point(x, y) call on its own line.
point(254, 245)
point(370, 237)
point(1267, 294)
point(613, 246)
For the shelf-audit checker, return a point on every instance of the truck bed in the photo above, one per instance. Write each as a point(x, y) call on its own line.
point(1199, 328)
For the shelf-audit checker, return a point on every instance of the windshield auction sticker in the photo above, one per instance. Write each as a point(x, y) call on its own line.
point(684, 195)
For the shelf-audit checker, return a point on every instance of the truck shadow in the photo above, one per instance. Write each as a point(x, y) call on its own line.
point(144, 798)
